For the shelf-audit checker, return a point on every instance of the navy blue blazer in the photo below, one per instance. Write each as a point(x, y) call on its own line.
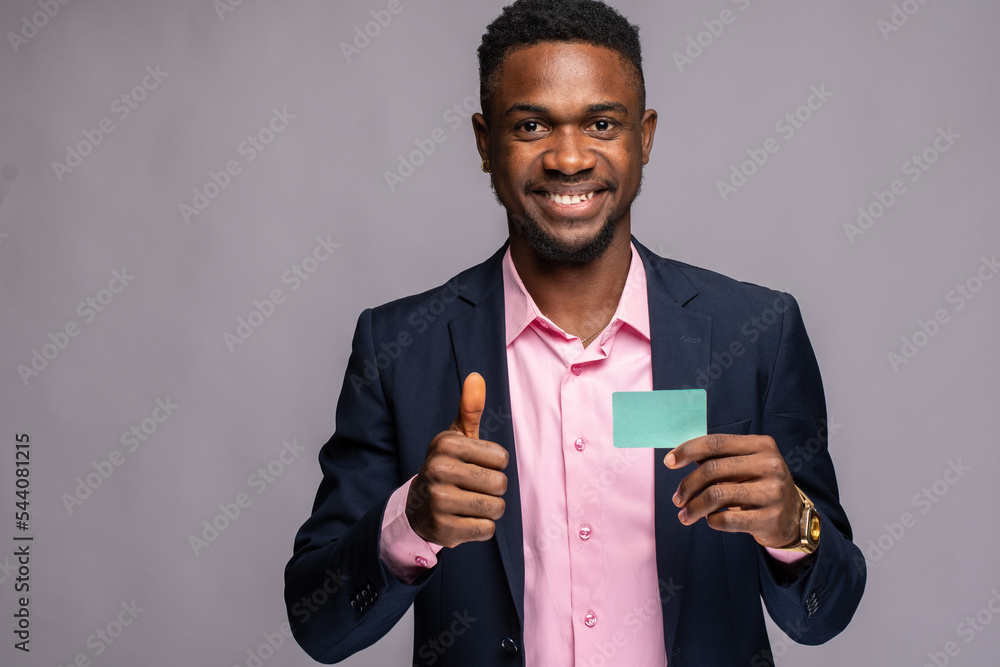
point(745, 344)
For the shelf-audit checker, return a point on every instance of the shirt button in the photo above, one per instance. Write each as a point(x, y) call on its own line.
point(590, 620)
point(576, 368)
point(421, 561)
point(584, 532)
point(579, 444)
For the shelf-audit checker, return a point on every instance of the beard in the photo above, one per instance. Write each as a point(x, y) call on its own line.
point(554, 250)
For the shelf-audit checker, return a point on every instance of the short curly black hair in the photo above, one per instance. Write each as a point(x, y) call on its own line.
point(528, 22)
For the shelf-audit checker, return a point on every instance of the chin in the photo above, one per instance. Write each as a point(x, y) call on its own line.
point(561, 251)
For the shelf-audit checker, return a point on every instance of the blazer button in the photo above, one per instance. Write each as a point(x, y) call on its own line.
point(509, 645)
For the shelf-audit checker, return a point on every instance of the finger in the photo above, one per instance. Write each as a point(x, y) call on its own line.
point(467, 476)
point(477, 452)
point(749, 521)
point(471, 406)
point(714, 471)
point(452, 501)
point(482, 480)
point(713, 446)
point(763, 524)
point(464, 529)
point(747, 497)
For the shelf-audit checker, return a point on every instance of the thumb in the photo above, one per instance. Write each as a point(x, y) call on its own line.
point(470, 408)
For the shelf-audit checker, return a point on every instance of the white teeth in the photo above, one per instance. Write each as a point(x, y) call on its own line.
point(569, 199)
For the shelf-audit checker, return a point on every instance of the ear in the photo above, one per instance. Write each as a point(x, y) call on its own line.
point(648, 130)
point(482, 130)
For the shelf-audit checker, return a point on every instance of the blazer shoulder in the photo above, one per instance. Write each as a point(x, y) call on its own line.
point(716, 290)
point(448, 299)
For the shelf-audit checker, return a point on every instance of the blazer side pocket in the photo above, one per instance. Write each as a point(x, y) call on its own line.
point(736, 428)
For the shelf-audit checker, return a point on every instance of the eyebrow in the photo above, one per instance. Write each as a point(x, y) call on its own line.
point(600, 107)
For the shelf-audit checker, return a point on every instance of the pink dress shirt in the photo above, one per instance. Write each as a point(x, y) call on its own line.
point(591, 591)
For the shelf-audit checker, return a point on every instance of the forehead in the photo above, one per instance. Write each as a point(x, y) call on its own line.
point(565, 74)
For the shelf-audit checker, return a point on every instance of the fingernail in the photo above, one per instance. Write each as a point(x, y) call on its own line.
point(670, 460)
point(677, 499)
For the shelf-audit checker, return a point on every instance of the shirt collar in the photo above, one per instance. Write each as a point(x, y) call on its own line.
point(520, 309)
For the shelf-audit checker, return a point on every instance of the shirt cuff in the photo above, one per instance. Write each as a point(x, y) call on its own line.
point(406, 554)
point(785, 556)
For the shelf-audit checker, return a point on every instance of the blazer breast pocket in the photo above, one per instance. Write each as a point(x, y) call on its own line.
point(736, 428)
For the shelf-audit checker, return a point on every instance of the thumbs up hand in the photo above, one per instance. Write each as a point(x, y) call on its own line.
point(456, 496)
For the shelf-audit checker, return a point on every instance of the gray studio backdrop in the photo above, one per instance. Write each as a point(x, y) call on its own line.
point(199, 198)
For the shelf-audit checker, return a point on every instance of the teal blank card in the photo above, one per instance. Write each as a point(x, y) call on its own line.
point(662, 418)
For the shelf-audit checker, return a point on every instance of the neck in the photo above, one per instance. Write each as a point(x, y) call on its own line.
point(580, 298)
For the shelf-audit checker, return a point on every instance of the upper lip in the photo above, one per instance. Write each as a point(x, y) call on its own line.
point(570, 190)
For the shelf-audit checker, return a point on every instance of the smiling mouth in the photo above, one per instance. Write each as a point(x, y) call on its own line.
point(570, 199)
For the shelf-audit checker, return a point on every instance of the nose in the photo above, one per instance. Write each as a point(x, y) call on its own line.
point(569, 152)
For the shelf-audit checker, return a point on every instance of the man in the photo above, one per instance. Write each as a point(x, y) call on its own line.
point(520, 534)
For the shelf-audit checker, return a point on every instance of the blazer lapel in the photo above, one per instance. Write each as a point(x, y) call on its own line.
point(681, 345)
point(479, 340)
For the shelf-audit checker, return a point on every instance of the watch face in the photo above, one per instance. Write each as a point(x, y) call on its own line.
point(813, 527)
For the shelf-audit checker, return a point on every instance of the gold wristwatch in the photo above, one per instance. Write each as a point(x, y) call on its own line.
point(808, 527)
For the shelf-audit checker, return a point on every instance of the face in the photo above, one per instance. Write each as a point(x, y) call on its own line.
point(566, 143)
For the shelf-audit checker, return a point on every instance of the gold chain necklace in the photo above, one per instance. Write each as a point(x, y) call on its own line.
point(584, 340)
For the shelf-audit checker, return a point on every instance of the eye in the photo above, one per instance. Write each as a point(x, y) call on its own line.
point(603, 125)
point(529, 126)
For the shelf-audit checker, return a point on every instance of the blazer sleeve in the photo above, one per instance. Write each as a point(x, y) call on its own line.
point(815, 603)
point(339, 595)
